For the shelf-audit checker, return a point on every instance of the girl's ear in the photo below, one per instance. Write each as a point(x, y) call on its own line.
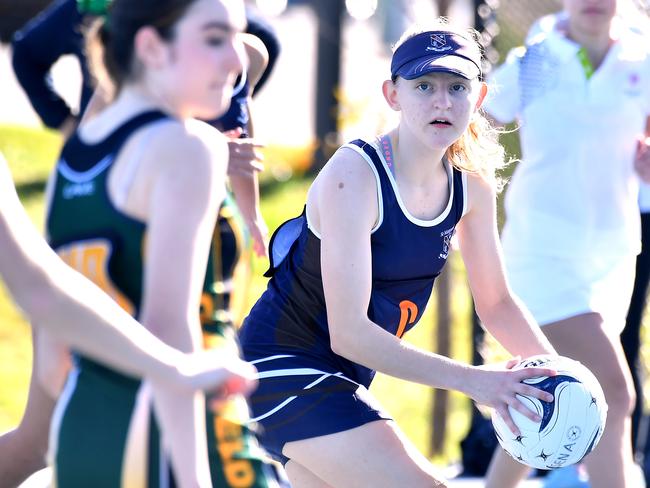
point(389, 89)
point(150, 49)
point(481, 96)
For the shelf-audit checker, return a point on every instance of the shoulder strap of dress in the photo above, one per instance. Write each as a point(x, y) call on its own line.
point(81, 157)
point(372, 157)
point(386, 197)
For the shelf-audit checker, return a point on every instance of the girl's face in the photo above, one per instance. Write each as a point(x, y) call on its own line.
point(436, 107)
point(590, 16)
point(199, 66)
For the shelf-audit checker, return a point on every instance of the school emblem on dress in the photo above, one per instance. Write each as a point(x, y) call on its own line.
point(439, 43)
point(446, 242)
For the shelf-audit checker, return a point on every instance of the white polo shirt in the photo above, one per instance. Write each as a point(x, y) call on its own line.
point(575, 192)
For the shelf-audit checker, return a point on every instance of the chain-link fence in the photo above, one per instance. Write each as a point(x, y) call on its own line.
point(515, 17)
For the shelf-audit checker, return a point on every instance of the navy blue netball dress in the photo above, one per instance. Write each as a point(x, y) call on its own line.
point(305, 389)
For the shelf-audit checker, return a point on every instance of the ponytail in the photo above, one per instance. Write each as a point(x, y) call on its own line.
point(479, 151)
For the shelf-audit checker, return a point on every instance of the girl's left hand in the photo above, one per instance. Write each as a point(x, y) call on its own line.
point(642, 159)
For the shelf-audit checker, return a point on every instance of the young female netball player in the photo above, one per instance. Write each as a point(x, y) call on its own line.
point(354, 272)
point(133, 203)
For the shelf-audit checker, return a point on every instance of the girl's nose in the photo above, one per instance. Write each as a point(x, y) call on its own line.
point(442, 100)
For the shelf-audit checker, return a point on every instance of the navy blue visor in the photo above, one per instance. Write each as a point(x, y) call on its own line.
point(436, 51)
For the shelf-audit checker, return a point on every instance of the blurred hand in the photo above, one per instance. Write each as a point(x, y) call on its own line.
point(642, 159)
point(260, 236)
point(245, 155)
point(217, 371)
point(496, 385)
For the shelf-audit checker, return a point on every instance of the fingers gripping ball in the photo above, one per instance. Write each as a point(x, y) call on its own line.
point(571, 425)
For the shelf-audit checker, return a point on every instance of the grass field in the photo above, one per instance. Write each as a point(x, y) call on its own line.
point(31, 154)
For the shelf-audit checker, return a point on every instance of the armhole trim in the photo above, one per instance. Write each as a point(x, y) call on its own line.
point(311, 228)
point(465, 202)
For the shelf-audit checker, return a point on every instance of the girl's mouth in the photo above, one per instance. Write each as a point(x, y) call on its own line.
point(592, 11)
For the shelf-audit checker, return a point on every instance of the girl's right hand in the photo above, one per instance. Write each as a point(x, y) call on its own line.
point(496, 385)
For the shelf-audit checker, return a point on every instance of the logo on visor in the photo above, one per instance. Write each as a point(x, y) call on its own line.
point(439, 43)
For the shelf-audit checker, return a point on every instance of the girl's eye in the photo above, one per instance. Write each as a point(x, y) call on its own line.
point(215, 41)
point(423, 86)
point(458, 87)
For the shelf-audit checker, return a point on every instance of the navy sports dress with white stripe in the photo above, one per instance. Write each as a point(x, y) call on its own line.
point(305, 389)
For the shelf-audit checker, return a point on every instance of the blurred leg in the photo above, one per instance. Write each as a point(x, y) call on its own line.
point(610, 465)
point(23, 450)
point(504, 472)
point(584, 339)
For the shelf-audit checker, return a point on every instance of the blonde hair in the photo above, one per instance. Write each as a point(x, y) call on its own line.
point(478, 150)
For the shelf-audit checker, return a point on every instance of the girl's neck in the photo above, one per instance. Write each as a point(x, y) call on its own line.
point(136, 98)
point(414, 161)
point(596, 43)
point(129, 102)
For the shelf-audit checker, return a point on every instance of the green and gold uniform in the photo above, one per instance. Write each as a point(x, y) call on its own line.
point(104, 433)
